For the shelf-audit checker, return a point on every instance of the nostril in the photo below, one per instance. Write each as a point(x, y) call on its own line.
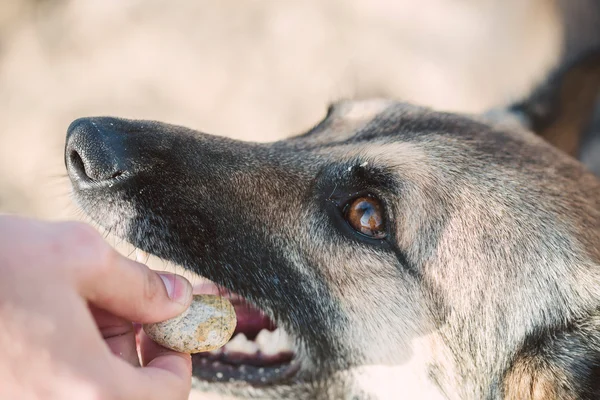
point(96, 153)
point(77, 164)
point(91, 173)
point(116, 174)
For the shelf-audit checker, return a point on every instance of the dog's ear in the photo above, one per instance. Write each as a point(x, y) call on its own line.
point(557, 365)
point(561, 109)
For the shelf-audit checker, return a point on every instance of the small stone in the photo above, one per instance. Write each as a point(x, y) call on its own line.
point(206, 325)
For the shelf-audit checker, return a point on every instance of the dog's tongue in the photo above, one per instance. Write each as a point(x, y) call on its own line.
point(250, 320)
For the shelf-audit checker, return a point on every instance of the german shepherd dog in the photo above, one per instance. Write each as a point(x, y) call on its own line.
point(391, 251)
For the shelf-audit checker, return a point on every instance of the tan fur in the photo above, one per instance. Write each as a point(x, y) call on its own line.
point(532, 380)
point(576, 98)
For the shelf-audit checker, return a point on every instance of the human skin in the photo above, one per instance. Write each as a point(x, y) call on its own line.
point(67, 302)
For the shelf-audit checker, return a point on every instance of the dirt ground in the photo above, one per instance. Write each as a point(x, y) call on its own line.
point(256, 70)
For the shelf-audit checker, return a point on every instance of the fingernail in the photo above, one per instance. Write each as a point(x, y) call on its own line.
point(178, 288)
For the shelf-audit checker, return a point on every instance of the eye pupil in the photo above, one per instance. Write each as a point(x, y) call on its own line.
point(365, 215)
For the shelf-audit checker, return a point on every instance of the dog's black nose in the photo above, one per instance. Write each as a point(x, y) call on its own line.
point(96, 150)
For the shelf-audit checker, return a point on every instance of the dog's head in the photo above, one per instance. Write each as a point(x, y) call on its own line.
point(398, 250)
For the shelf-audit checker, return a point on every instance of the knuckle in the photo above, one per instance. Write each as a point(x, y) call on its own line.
point(99, 392)
point(14, 229)
point(87, 245)
point(79, 232)
point(96, 388)
point(153, 286)
point(34, 243)
point(107, 392)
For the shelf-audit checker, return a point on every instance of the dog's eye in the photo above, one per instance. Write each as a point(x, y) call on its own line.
point(365, 215)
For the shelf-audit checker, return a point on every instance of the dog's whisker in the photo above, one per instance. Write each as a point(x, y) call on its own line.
point(131, 253)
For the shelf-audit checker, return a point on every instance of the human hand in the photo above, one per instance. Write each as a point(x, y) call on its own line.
point(67, 300)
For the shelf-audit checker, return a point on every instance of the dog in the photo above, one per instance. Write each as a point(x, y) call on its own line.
point(391, 251)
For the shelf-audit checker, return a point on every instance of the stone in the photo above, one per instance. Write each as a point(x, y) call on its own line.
point(206, 325)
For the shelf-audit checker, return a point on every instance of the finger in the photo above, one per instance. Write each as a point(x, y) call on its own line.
point(135, 292)
point(137, 328)
point(115, 283)
point(157, 360)
point(118, 333)
point(166, 374)
point(152, 353)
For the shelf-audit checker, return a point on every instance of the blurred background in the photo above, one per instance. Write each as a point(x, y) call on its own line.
point(255, 70)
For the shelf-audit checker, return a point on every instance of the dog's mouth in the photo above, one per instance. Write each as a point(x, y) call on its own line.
point(259, 352)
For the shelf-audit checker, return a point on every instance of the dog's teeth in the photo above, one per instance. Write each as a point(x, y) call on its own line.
point(271, 343)
point(240, 344)
point(140, 255)
point(216, 352)
point(263, 339)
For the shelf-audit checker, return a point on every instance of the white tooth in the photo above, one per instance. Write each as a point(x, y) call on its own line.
point(283, 341)
point(141, 255)
point(236, 341)
point(263, 340)
point(271, 343)
point(240, 344)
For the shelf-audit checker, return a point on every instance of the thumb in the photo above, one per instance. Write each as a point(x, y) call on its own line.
point(133, 291)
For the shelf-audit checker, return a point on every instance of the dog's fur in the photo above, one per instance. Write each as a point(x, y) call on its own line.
point(487, 286)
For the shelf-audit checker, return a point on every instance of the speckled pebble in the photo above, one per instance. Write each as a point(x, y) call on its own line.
point(206, 325)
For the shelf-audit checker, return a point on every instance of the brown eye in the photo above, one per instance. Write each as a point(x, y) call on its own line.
point(365, 215)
